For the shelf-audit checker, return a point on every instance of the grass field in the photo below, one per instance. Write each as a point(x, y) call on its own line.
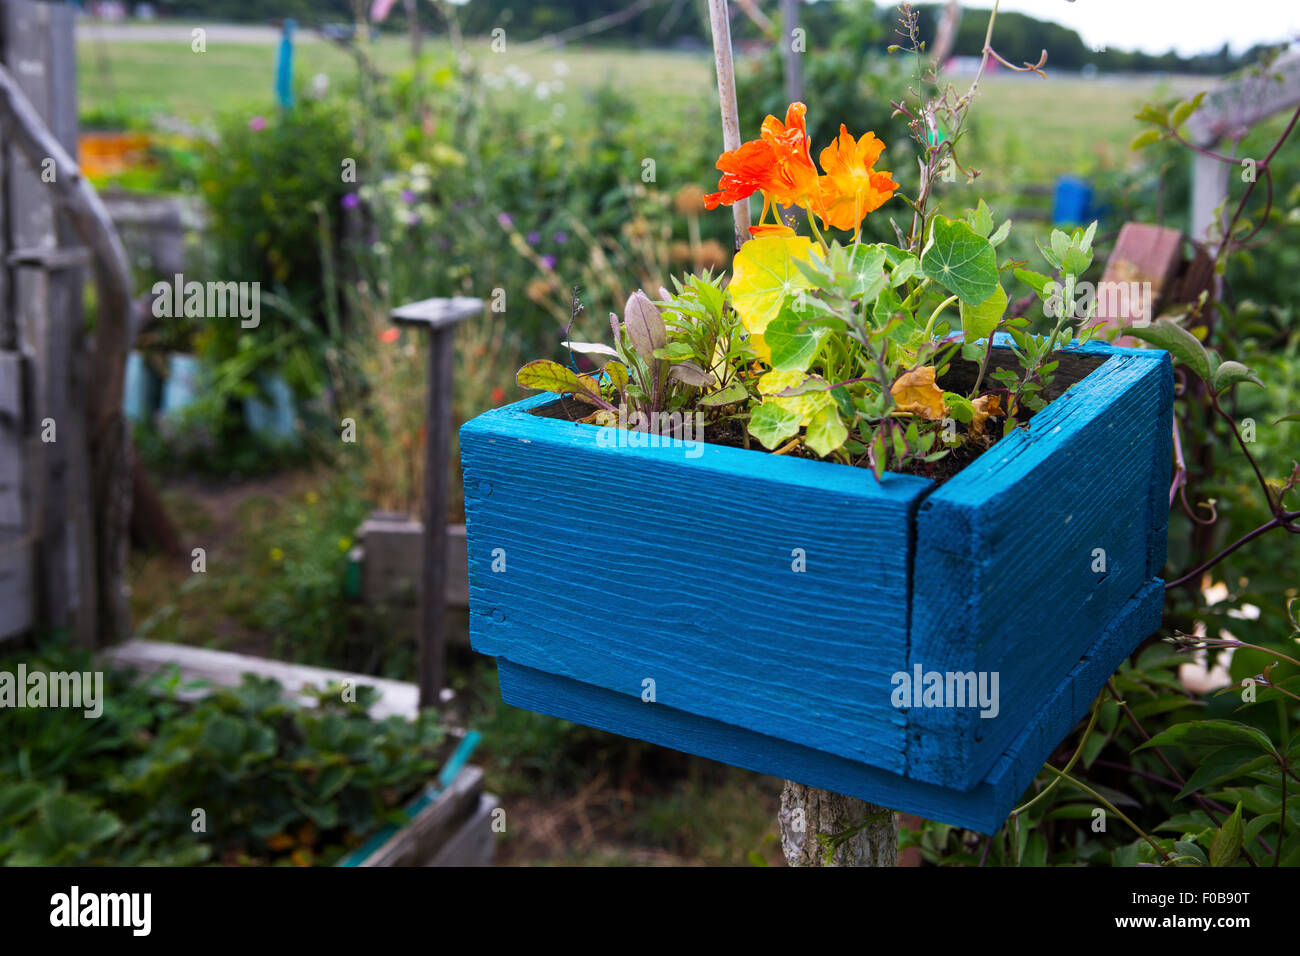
point(1024, 127)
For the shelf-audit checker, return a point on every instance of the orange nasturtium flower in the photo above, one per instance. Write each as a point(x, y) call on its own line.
point(795, 179)
point(778, 164)
point(759, 232)
point(744, 171)
point(852, 187)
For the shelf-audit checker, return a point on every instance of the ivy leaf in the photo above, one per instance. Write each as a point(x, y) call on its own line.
point(771, 424)
point(1230, 373)
point(826, 432)
point(960, 260)
point(1226, 845)
point(979, 321)
point(1176, 340)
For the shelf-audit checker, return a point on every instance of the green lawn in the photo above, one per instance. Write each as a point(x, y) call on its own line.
point(1025, 129)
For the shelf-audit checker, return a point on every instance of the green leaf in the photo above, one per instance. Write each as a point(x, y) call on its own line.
point(867, 267)
point(771, 424)
point(1000, 236)
point(1176, 340)
point(763, 274)
point(907, 267)
point(675, 352)
point(826, 432)
point(876, 452)
point(1230, 373)
point(1225, 764)
point(1041, 284)
point(979, 321)
point(547, 376)
point(1212, 733)
point(19, 799)
point(1189, 849)
point(733, 393)
point(1184, 110)
point(961, 261)
point(980, 219)
point(590, 348)
point(617, 372)
point(1143, 140)
point(792, 343)
point(1226, 845)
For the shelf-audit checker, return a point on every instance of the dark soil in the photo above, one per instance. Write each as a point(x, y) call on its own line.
point(732, 433)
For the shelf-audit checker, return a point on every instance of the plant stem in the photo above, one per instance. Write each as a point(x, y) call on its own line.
point(1111, 807)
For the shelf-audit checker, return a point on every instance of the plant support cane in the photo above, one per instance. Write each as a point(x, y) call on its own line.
point(818, 828)
point(719, 22)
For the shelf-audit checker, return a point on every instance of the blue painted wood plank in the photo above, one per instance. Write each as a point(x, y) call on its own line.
point(672, 564)
point(628, 565)
point(1008, 576)
point(983, 808)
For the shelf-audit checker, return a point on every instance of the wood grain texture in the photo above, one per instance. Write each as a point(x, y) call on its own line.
point(1004, 578)
point(622, 564)
point(983, 808)
point(632, 564)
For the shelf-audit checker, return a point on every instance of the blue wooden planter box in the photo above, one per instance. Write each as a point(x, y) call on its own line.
point(596, 569)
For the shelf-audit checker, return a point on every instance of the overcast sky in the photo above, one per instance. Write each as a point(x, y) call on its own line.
point(1188, 26)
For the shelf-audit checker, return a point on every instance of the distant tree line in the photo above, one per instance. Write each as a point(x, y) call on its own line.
point(1019, 37)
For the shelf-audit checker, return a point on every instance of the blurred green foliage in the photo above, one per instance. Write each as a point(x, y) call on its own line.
point(277, 783)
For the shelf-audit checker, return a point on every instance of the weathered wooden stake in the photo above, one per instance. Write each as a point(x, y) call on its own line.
point(440, 317)
point(805, 811)
point(720, 21)
point(793, 66)
point(861, 834)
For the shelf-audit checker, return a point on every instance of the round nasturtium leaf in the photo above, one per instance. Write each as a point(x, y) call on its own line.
point(960, 260)
point(763, 275)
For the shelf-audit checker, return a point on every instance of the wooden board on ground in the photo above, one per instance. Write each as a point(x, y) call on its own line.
point(226, 669)
point(427, 837)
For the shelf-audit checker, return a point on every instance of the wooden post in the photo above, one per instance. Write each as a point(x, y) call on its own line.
point(816, 824)
point(440, 317)
point(1227, 113)
point(793, 66)
point(719, 20)
point(806, 813)
point(43, 276)
point(413, 27)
